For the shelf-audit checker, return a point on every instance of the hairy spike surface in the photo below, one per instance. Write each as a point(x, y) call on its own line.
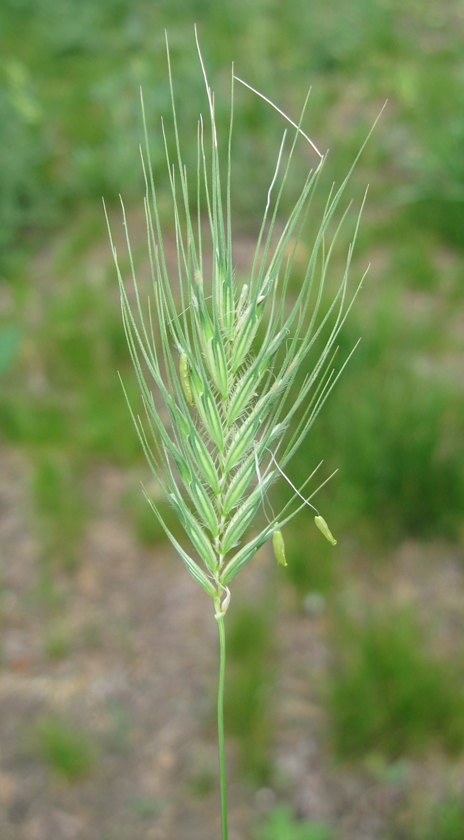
point(221, 375)
point(184, 376)
point(241, 442)
point(242, 394)
point(238, 524)
point(230, 397)
point(208, 410)
point(200, 540)
point(244, 334)
point(204, 462)
point(238, 485)
point(204, 506)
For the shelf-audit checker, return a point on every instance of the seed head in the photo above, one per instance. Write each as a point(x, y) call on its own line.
point(235, 417)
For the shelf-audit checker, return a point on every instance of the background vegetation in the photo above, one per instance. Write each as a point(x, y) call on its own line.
point(70, 72)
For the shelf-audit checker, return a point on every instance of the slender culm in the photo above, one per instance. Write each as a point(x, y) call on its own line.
point(220, 720)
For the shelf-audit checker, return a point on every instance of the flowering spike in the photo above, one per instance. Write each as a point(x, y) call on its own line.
point(216, 463)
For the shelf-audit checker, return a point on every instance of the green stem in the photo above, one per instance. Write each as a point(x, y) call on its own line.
point(220, 717)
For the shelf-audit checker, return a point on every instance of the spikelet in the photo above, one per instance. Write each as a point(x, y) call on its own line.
point(238, 485)
point(204, 506)
point(184, 378)
point(244, 333)
point(241, 443)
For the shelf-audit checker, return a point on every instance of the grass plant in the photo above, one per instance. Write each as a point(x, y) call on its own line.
point(10, 338)
point(60, 509)
point(282, 825)
point(430, 818)
point(388, 695)
point(67, 108)
point(69, 752)
point(443, 819)
point(394, 427)
point(229, 420)
point(251, 680)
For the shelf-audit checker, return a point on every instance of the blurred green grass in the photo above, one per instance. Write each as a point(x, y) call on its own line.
point(70, 73)
point(281, 825)
point(430, 819)
point(388, 694)
point(68, 751)
point(248, 715)
point(443, 819)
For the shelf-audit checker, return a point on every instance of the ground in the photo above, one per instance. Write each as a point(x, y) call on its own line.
point(136, 674)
